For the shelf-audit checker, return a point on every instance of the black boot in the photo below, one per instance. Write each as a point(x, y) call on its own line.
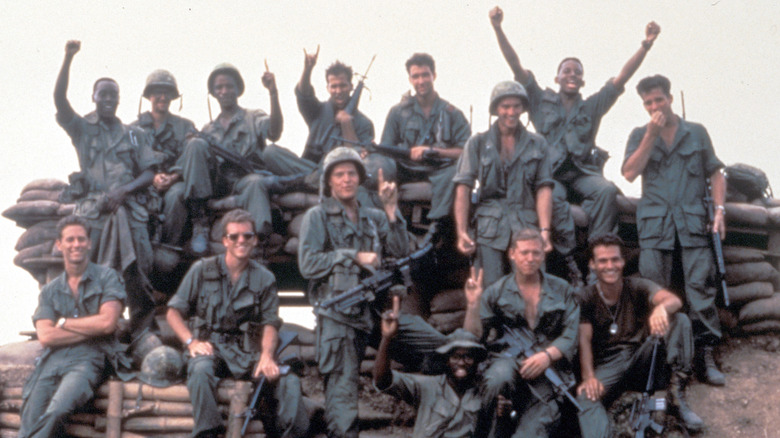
point(198, 245)
point(276, 184)
point(712, 374)
point(678, 402)
point(575, 276)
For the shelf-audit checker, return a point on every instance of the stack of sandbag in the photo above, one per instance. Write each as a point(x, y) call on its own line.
point(37, 210)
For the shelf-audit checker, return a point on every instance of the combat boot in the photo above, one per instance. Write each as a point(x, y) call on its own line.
point(712, 374)
point(199, 242)
point(678, 402)
point(575, 276)
point(276, 184)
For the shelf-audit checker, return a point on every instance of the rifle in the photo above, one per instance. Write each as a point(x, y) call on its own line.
point(717, 247)
point(232, 158)
point(641, 409)
point(430, 155)
point(520, 342)
point(285, 339)
point(398, 272)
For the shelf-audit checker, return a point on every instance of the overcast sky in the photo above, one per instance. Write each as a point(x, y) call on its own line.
point(722, 54)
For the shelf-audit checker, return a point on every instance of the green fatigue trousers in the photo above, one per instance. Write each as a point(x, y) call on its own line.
point(700, 290)
point(599, 199)
point(64, 381)
point(340, 349)
point(627, 370)
point(289, 419)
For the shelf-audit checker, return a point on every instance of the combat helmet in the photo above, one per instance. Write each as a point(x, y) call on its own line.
point(461, 338)
point(162, 367)
point(506, 89)
point(160, 78)
point(228, 69)
point(339, 155)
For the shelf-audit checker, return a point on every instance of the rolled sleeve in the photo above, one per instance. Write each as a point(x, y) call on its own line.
point(566, 343)
point(269, 305)
point(405, 387)
point(45, 309)
point(468, 164)
point(183, 299)
point(113, 287)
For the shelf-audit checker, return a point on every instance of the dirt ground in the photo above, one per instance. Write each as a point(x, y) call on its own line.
point(748, 406)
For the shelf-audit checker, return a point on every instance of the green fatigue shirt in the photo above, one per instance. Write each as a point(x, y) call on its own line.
point(674, 184)
point(169, 138)
point(558, 314)
point(329, 245)
point(98, 285)
point(407, 126)
point(110, 157)
point(507, 199)
point(630, 313)
point(320, 118)
point(571, 134)
point(441, 413)
point(230, 316)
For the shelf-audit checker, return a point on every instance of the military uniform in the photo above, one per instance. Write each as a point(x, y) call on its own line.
point(205, 176)
point(441, 413)
point(578, 162)
point(622, 361)
point(671, 212)
point(110, 157)
point(507, 200)
point(231, 317)
point(169, 140)
point(446, 127)
point(329, 244)
point(65, 377)
point(557, 322)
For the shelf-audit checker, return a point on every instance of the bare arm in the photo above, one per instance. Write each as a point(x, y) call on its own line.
point(473, 290)
point(521, 74)
point(77, 330)
point(544, 213)
point(651, 33)
point(382, 375)
point(64, 110)
point(276, 123)
point(462, 203)
point(183, 333)
point(665, 303)
point(309, 61)
point(267, 365)
point(592, 387)
point(117, 196)
point(636, 163)
point(718, 193)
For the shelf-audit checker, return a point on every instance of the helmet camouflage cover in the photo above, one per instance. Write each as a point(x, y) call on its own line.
point(340, 155)
point(161, 79)
point(228, 69)
point(507, 89)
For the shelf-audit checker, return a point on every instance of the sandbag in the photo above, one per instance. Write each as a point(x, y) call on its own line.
point(31, 209)
point(66, 209)
point(627, 205)
point(296, 201)
point(449, 300)
point(294, 227)
point(767, 325)
point(416, 192)
point(224, 204)
point(759, 310)
point(447, 322)
point(272, 244)
point(579, 215)
point(740, 273)
point(38, 250)
point(728, 319)
point(38, 233)
point(291, 247)
point(45, 184)
point(746, 214)
point(40, 195)
point(747, 292)
point(741, 254)
point(774, 216)
point(733, 195)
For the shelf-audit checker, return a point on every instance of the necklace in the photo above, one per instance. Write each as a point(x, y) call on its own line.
point(613, 328)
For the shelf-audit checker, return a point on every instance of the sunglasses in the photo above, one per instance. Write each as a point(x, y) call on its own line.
point(234, 236)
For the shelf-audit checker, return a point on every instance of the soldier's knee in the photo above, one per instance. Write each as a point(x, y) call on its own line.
point(499, 377)
point(199, 367)
point(196, 146)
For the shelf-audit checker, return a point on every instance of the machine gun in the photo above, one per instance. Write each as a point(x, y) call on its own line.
point(430, 156)
point(398, 272)
point(285, 339)
point(520, 342)
point(641, 409)
point(717, 248)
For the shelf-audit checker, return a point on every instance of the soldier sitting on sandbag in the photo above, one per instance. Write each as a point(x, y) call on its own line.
point(117, 165)
point(75, 321)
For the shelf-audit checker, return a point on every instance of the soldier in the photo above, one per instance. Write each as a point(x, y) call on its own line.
point(170, 133)
point(240, 131)
point(619, 319)
point(513, 169)
point(570, 124)
point(341, 239)
point(427, 124)
point(541, 303)
point(676, 161)
point(232, 306)
point(75, 322)
point(447, 405)
point(117, 165)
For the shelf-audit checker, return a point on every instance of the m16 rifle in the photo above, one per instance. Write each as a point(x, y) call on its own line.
point(285, 339)
point(520, 342)
point(642, 408)
point(397, 272)
point(430, 156)
point(717, 248)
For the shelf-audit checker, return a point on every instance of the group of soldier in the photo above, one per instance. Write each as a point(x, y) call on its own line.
point(506, 191)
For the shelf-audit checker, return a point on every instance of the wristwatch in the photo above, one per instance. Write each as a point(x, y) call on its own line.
point(60, 322)
point(188, 342)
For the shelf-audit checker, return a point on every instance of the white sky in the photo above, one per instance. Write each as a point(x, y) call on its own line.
point(723, 54)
